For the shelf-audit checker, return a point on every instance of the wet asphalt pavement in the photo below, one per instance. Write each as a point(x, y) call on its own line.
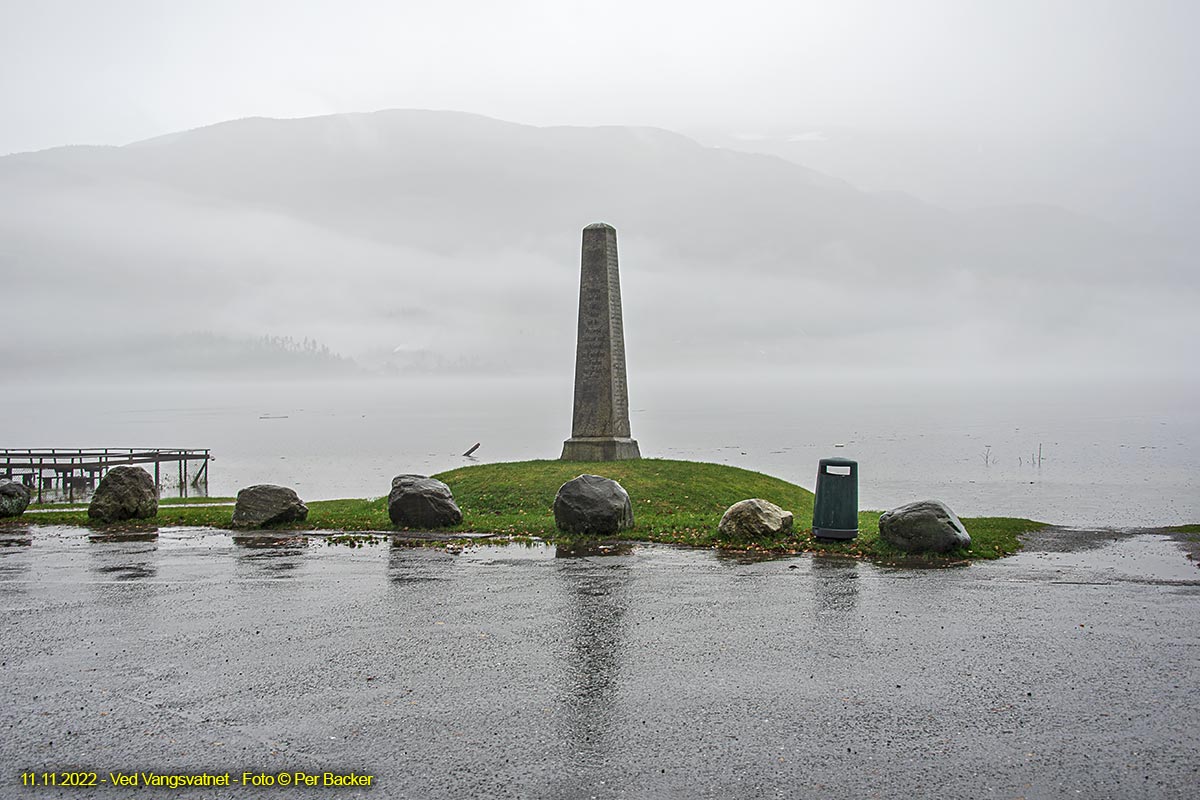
point(1069, 670)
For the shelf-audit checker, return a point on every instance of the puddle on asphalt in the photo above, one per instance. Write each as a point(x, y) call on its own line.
point(506, 553)
point(1117, 557)
point(129, 536)
point(126, 572)
point(1142, 557)
point(744, 557)
point(271, 541)
point(592, 549)
point(15, 537)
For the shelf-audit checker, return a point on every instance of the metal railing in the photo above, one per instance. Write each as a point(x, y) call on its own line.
point(65, 469)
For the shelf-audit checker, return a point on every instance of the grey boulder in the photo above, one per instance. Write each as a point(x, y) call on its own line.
point(266, 504)
point(754, 519)
point(926, 526)
point(14, 498)
point(420, 502)
point(591, 504)
point(124, 493)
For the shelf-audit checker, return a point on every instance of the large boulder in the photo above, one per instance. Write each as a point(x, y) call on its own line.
point(124, 493)
point(420, 502)
point(266, 504)
point(753, 519)
point(926, 526)
point(590, 504)
point(14, 498)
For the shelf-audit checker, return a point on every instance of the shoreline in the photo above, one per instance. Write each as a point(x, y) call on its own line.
point(675, 502)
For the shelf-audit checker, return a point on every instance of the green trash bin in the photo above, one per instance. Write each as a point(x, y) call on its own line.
point(835, 509)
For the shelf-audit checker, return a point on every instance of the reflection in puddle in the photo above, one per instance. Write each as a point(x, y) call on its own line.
point(595, 605)
point(125, 536)
point(126, 572)
point(15, 537)
point(835, 565)
point(835, 584)
point(276, 555)
point(271, 541)
point(749, 556)
point(13, 542)
point(902, 563)
point(584, 548)
point(1134, 558)
point(124, 557)
point(412, 564)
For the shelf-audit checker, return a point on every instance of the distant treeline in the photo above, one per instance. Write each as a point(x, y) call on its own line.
point(106, 354)
point(213, 352)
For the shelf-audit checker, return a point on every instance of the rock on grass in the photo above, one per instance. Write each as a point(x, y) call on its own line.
point(124, 493)
point(266, 504)
point(750, 520)
point(926, 526)
point(590, 504)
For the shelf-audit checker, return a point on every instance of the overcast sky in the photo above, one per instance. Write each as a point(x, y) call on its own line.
point(1085, 104)
point(120, 70)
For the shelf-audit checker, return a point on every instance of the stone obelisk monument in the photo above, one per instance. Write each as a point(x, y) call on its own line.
point(600, 427)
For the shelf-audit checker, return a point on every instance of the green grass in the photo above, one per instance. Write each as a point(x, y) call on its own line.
point(678, 502)
point(681, 502)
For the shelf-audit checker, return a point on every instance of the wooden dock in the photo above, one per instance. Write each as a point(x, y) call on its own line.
point(65, 470)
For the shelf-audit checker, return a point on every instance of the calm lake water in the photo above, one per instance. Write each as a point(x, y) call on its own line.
point(1111, 454)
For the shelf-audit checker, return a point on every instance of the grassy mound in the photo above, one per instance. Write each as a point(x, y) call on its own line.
point(679, 502)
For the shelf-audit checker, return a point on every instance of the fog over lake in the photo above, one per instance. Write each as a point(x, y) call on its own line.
point(1111, 454)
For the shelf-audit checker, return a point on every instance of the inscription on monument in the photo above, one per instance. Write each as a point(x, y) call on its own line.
point(600, 423)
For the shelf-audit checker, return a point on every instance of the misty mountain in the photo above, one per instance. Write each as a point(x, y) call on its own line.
point(1154, 189)
point(419, 240)
point(128, 356)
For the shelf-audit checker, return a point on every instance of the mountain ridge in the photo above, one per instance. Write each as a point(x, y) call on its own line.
point(306, 227)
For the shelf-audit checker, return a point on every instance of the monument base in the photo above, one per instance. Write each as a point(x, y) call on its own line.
point(599, 448)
